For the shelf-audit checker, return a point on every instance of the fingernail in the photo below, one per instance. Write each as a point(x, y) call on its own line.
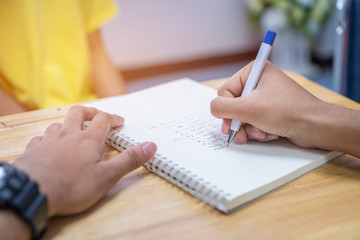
point(148, 148)
point(223, 130)
point(272, 136)
point(256, 134)
point(118, 121)
point(240, 139)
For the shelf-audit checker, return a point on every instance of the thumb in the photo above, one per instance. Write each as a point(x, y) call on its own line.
point(233, 108)
point(133, 158)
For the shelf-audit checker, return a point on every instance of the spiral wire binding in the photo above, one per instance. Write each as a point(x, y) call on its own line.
point(174, 173)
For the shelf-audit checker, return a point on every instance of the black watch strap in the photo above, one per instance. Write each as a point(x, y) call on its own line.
point(21, 195)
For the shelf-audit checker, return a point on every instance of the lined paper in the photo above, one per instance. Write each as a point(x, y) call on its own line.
point(176, 116)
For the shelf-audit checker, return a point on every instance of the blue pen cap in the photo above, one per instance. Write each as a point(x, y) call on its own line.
point(269, 37)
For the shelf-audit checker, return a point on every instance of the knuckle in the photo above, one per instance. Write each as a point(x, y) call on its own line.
point(221, 91)
point(214, 107)
point(268, 63)
point(77, 108)
point(57, 124)
point(104, 116)
point(54, 126)
point(34, 141)
point(53, 129)
point(88, 111)
point(107, 116)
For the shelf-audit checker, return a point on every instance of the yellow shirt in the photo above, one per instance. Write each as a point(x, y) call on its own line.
point(44, 53)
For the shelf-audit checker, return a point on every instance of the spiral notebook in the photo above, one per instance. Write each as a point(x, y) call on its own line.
point(192, 152)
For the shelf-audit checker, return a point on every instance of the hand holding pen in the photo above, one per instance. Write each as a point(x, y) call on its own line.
point(254, 76)
point(278, 107)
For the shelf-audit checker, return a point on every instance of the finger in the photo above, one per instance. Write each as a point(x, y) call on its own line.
point(257, 134)
point(101, 124)
point(240, 108)
point(100, 118)
point(225, 128)
point(52, 129)
point(254, 133)
point(235, 85)
point(241, 136)
point(130, 159)
point(34, 141)
point(270, 137)
point(117, 121)
point(76, 117)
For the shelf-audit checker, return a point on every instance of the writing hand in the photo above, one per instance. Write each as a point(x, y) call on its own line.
point(277, 107)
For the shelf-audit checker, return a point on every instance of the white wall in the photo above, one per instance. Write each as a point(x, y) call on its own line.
point(147, 33)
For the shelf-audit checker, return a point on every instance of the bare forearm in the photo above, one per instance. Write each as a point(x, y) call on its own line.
point(8, 105)
point(107, 79)
point(12, 227)
point(338, 129)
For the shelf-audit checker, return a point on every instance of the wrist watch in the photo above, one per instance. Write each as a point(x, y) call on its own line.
point(21, 195)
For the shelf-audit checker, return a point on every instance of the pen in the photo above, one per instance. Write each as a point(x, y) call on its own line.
point(254, 76)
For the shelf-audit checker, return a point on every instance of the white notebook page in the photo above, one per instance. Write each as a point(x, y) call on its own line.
point(176, 116)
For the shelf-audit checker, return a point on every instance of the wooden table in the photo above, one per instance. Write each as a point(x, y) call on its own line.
point(324, 204)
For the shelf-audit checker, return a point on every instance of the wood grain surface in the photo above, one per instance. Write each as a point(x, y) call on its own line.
point(324, 204)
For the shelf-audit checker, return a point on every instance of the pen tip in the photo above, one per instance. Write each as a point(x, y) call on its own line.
point(231, 137)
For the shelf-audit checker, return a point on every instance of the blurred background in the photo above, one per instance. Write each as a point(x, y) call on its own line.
point(156, 41)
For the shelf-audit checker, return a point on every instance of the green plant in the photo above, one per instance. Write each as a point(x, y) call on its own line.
point(306, 16)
